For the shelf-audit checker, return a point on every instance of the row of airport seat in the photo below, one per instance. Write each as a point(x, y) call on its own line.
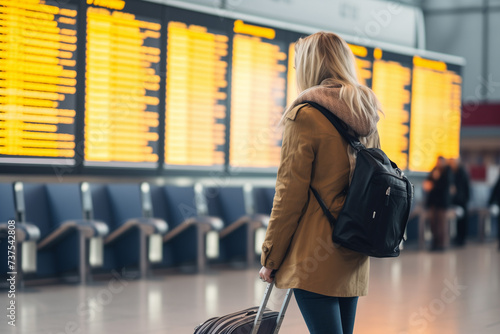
point(71, 230)
point(76, 231)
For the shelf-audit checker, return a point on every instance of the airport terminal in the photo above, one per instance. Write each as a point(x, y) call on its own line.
point(144, 147)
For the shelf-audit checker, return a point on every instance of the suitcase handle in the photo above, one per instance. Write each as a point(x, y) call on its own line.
point(262, 307)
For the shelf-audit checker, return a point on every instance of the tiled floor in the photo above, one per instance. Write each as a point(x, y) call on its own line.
point(419, 292)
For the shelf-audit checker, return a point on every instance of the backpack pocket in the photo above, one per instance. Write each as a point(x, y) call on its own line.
point(389, 203)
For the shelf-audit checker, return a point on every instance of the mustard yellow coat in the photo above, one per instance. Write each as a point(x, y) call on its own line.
point(298, 240)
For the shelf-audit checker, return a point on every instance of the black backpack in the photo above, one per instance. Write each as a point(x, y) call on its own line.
point(378, 200)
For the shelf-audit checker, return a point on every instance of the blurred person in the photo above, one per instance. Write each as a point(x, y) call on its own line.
point(460, 198)
point(327, 279)
point(438, 187)
point(494, 203)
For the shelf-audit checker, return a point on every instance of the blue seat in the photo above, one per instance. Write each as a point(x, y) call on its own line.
point(38, 212)
point(227, 203)
point(56, 209)
point(7, 205)
point(7, 213)
point(263, 199)
point(26, 234)
point(120, 206)
point(177, 205)
point(101, 210)
point(237, 237)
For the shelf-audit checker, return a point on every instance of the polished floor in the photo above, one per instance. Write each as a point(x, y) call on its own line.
point(419, 292)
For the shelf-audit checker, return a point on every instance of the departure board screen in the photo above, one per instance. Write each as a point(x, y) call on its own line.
point(122, 83)
point(392, 85)
point(435, 113)
point(142, 85)
point(258, 87)
point(196, 96)
point(363, 58)
point(37, 81)
point(291, 90)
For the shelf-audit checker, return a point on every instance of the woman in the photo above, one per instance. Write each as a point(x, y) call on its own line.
point(327, 279)
point(439, 188)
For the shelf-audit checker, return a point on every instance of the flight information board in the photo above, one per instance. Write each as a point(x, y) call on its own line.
point(37, 81)
point(142, 85)
point(258, 87)
point(196, 96)
point(435, 113)
point(392, 85)
point(363, 58)
point(122, 83)
point(291, 90)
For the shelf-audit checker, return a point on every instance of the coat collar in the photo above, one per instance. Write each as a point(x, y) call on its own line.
point(328, 94)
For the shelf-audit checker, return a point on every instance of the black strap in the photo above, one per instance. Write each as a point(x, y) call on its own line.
point(350, 139)
point(339, 125)
point(322, 204)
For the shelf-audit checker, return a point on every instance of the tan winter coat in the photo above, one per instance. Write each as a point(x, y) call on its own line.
point(298, 240)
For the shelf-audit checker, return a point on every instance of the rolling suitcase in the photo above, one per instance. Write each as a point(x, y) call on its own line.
point(254, 320)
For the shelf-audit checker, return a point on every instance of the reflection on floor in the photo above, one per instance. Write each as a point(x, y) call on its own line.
point(419, 292)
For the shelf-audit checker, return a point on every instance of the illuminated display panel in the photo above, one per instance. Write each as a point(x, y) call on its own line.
point(392, 85)
point(120, 122)
point(37, 81)
point(196, 96)
point(291, 92)
point(122, 84)
point(363, 57)
point(435, 113)
point(258, 90)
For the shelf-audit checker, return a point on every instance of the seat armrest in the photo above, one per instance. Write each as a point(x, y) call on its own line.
point(89, 229)
point(147, 225)
point(179, 229)
point(215, 223)
point(260, 218)
point(206, 223)
point(160, 226)
point(255, 221)
point(24, 231)
point(150, 225)
point(120, 231)
point(101, 228)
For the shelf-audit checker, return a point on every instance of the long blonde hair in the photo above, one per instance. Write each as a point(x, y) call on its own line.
point(324, 55)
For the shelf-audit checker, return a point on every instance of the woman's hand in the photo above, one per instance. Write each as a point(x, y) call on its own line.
point(265, 274)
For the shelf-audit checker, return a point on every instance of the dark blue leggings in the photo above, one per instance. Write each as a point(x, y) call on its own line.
point(325, 314)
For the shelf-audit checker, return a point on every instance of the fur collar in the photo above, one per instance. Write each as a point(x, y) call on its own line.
point(327, 94)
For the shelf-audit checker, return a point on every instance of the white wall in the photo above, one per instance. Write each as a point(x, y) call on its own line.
point(494, 56)
point(446, 4)
point(459, 34)
point(456, 27)
point(368, 21)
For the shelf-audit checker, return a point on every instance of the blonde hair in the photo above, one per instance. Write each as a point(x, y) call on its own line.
point(325, 55)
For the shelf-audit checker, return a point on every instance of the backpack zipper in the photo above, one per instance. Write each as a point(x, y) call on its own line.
point(387, 195)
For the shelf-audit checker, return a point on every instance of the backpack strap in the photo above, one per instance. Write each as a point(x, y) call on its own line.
point(323, 206)
point(350, 139)
point(339, 125)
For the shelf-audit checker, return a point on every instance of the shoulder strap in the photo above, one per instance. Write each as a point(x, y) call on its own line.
point(338, 124)
point(323, 206)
